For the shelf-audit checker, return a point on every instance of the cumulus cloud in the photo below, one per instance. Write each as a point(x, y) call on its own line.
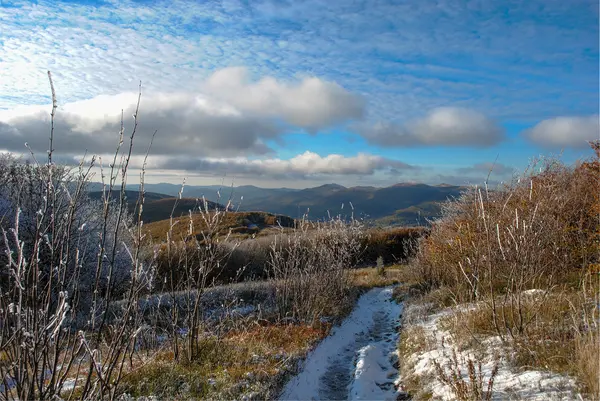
point(311, 103)
point(447, 126)
point(232, 116)
point(188, 124)
point(302, 165)
point(565, 132)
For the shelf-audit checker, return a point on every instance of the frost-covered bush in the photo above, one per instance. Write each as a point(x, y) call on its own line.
point(77, 219)
point(309, 265)
point(6, 209)
point(71, 277)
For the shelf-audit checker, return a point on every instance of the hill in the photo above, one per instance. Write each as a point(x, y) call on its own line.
point(161, 209)
point(240, 224)
point(416, 215)
point(131, 196)
point(159, 206)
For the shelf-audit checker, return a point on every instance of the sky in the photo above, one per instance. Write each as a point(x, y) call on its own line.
point(302, 93)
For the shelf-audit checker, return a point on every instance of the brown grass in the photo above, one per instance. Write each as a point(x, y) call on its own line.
point(412, 340)
point(370, 277)
point(539, 233)
point(244, 224)
point(587, 364)
point(470, 387)
point(255, 360)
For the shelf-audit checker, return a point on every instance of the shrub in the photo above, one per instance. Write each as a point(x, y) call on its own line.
point(65, 260)
point(309, 267)
point(534, 231)
point(23, 188)
point(534, 236)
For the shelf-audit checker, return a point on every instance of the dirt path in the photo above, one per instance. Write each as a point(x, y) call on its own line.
point(357, 361)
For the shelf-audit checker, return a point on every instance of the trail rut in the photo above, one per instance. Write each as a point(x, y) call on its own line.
point(358, 360)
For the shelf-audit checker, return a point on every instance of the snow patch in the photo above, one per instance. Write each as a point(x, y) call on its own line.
point(373, 378)
point(356, 360)
point(509, 383)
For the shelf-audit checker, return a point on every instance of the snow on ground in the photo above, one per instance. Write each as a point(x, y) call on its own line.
point(356, 361)
point(371, 369)
point(509, 382)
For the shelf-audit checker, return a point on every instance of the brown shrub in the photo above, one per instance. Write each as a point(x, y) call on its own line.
point(539, 232)
point(531, 232)
point(310, 267)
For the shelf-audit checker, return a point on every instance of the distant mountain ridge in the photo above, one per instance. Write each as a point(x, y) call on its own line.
point(159, 206)
point(406, 204)
point(399, 204)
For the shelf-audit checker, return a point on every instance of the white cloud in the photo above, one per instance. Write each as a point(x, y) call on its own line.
point(188, 124)
point(233, 116)
point(447, 126)
point(311, 103)
point(302, 165)
point(565, 132)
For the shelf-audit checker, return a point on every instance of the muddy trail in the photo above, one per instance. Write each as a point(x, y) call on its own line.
point(358, 360)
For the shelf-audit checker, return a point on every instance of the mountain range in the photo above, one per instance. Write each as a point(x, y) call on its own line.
point(400, 204)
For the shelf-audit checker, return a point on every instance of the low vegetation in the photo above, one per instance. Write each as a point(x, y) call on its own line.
point(254, 360)
point(247, 239)
point(240, 225)
point(520, 264)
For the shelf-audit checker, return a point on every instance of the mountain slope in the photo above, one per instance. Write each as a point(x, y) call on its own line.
point(373, 203)
point(131, 195)
point(403, 203)
point(242, 224)
point(162, 209)
point(159, 206)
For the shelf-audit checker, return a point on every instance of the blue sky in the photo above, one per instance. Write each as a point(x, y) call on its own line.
point(298, 93)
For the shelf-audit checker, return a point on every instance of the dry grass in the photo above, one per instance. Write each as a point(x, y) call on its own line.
point(526, 255)
point(255, 360)
point(587, 364)
point(470, 387)
point(413, 340)
point(370, 277)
